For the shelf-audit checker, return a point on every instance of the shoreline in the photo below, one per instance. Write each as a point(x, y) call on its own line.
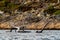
point(31, 29)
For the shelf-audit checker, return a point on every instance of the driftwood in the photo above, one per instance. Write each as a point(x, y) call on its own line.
point(43, 27)
point(48, 20)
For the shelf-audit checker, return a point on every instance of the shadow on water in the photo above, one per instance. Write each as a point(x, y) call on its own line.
point(24, 31)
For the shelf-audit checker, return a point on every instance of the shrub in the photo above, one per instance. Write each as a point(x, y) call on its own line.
point(57, 12)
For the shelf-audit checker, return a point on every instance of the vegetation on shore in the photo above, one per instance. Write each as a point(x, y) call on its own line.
point(29, 12)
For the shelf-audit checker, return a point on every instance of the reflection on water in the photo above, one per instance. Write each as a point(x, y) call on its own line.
point(46, 35)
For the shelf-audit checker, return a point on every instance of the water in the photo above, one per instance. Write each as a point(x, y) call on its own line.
point(46, 35)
